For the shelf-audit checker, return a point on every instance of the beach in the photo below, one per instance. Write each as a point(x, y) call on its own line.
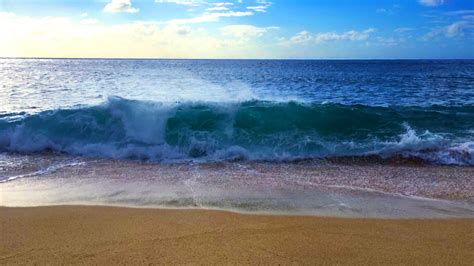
point(59, 209)
point(125, 161)
point(107, 235)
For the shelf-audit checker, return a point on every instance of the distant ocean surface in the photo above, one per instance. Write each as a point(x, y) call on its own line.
point(212, 110)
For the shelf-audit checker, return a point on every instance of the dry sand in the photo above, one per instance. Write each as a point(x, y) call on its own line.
point(106, 235)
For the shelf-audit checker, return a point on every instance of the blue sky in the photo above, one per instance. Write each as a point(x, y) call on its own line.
point(238, 28)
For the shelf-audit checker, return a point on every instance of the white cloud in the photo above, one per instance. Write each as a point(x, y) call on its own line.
point(116, 6)
point(24, 36)
point(431, 2)
point(245, 32)
point(220, 6)
point(223, 4)
point(452, 24)
point(217, 8)
point(89, 21)
point(210, 17)
point(301, 37)
point(261, 7)
point(214, 11)
point(403, 30)
point(455, 29)
point(304, 37)
point(388, 10)
point(181, 2)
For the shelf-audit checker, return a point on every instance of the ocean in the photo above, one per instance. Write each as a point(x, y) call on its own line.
point(285, 136)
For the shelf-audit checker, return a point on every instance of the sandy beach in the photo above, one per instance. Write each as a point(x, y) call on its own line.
point(107, 235)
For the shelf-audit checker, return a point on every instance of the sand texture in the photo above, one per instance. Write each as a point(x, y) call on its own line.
point(106, 235)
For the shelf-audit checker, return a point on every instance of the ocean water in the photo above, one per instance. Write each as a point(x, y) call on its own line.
point(165, 110)
point(200, 112)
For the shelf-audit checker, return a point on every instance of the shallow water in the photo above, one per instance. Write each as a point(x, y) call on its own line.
point(305, 188)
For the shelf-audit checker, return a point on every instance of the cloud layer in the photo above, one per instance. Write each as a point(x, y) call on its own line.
point(305, 37)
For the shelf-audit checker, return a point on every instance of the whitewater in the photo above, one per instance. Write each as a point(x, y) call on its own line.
point(250, 130)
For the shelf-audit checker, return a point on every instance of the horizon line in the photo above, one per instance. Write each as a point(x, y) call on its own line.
point(249, 59)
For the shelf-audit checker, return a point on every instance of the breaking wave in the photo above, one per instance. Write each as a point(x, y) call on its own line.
point(253, 130)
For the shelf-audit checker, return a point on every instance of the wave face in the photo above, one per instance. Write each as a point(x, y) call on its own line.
point(254, 130)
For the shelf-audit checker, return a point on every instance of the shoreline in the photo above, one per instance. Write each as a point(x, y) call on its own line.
point(98, 235)
point(345, 188)
point(240, 212)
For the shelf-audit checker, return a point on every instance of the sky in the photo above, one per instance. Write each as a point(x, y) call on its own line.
point(287, 29)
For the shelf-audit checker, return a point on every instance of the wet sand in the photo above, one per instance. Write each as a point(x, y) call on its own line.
point(106, 235)
point(343, 187)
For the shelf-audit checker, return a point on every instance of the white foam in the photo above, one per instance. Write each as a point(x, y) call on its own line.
point(48, 170)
